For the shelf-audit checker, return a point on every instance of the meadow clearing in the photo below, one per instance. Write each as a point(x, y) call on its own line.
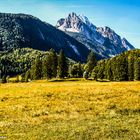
point(70, 110)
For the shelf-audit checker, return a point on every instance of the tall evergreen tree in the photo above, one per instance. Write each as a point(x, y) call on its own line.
point(108, 71)
point(130, 67)
point(80, 70)
point(91, 62)
point(122, 68)
point(54, 62)
point(62, 65)
point(94, 73)
point(47, 67)
point(137, 69)
point(101, 70)
point(36, 69)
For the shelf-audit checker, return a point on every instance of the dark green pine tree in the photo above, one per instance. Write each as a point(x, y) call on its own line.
point(131, 67)
point(80, 70)
point(122, 68)
point(73, 70)
point(36, 69)
point(137, 69)
point(47, 67)
point(95, 73)
point(114, 68)
point(108, 71)
point(63, 65)
point(101, 69)
point(54, 62)
point(91, 62)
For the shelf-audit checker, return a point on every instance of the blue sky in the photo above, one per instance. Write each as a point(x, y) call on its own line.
point(123, 16)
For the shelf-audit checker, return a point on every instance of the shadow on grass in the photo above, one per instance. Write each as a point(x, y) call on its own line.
point(78, 79)
point(64, 80)
point(103, 81)
point(56, 80)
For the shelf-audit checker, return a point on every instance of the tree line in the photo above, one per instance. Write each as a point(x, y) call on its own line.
point(36, 65)
point(125, 67)
point(59, 66)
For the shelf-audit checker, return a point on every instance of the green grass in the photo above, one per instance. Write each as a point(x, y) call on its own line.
point(72, 110)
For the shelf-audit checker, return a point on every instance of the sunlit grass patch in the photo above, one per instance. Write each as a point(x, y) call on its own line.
point(70, 110)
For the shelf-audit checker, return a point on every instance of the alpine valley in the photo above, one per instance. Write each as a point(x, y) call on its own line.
point(24, 37)
point(71, 76)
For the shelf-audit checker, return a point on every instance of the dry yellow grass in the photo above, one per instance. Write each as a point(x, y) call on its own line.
point(75, 110)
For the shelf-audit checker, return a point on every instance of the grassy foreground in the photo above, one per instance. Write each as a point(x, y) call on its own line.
point(75, 110)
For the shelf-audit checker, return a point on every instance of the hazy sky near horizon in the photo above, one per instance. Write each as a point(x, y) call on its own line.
point(123, 16)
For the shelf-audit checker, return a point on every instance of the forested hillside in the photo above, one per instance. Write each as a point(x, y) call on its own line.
point(125, 67)
point(18, 61)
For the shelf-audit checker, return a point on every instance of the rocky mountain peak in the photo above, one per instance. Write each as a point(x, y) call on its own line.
point(70, 23)
point(75, 23)
point(103, 40)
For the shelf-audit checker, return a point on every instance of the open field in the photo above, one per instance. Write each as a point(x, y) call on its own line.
point(75, 110)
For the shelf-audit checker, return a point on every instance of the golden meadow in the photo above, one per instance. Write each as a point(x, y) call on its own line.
point(70, 110)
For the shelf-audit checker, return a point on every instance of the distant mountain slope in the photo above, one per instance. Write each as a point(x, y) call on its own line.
point(25, 31)
point(104, 41)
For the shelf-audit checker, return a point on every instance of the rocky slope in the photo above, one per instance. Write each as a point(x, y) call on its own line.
point(103, 40)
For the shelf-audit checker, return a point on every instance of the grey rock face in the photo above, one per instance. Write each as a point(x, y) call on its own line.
point(102, 40)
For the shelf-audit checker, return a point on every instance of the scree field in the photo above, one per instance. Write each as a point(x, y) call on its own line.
point(70, 110)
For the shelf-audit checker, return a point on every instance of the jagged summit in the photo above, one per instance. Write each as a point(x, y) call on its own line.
point(103, 40)
point(74, 23)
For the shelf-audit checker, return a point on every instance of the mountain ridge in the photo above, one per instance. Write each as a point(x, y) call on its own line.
point(105, 39)
point(26, 31)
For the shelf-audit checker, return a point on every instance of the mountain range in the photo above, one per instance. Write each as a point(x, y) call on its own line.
point(102, 40)
point(76, 35)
